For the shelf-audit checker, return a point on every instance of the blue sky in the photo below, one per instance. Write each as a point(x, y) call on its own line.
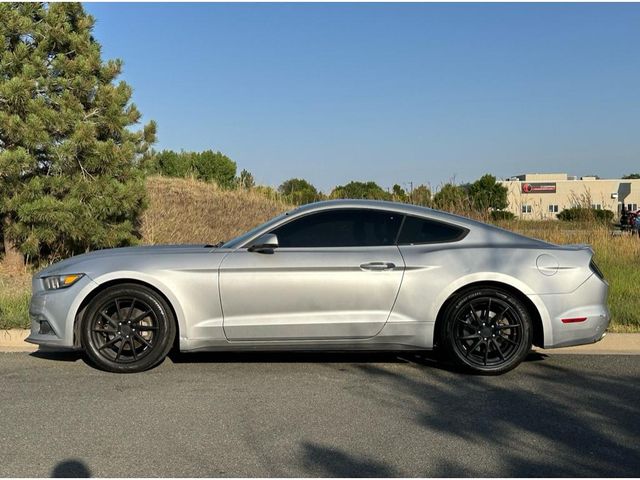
point(387, 92)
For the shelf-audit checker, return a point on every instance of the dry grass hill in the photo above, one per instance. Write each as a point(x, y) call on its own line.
point(191, 211)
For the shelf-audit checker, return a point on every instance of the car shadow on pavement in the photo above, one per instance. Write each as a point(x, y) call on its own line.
point(429, 358)
point(285, 357)
point(425, 358)
point(58, 355)
point(71, 468)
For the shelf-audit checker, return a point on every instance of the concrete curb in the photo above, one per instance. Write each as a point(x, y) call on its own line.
point(13, 341)
point(612, 344)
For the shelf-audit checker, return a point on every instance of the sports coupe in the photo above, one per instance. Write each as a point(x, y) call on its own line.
point(336, 275)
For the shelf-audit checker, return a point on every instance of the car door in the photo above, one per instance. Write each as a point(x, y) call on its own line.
point(335, 275)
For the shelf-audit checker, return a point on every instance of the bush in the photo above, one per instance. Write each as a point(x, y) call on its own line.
point(361, 190)
point(214, 166)
point(421, 195)
point(173, 164)
point(298, 191)
point(583, 214)
point(452, 198)
point(502, 215)
point(209, 166)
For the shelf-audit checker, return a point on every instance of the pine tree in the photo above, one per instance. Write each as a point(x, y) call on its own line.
point(69, 176)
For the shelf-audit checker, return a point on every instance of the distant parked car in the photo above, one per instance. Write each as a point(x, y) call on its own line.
point(337, 275)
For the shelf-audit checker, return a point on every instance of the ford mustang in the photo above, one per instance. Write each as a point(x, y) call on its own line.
point(336, 275)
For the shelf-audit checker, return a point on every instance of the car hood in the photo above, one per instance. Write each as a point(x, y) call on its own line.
point(66, 266)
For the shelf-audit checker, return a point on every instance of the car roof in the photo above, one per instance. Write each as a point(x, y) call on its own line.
point(403, 208)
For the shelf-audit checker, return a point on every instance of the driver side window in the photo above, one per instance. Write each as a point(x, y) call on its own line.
point(340, 228)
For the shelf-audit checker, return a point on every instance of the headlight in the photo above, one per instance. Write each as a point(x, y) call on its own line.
point(56, 282)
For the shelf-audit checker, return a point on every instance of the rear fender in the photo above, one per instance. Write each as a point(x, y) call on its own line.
point(483, 277)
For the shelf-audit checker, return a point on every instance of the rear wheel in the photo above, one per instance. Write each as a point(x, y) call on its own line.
point(487, 331)
point(127, 328)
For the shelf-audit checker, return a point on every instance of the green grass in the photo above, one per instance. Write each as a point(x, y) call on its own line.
point(14, 308)
point(618, 258)
point(623, 274)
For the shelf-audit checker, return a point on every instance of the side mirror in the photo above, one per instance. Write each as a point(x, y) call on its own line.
point(265, 243)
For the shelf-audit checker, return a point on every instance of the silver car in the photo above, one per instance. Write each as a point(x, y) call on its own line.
point(335, 275)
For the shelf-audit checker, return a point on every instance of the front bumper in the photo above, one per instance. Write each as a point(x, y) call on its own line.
point(588, 302)
point(58, 308)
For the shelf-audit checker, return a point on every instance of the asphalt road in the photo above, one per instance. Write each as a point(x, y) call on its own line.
point(319, 415)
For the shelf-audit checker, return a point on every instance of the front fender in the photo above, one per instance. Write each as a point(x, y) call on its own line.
point(123, 276)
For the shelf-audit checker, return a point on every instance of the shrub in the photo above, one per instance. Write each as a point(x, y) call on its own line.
point(361, 190)
point(213, 166)
point(583, 214)
point(502, 215)
point(173, 164)
point(298, 191)
point(209, 166)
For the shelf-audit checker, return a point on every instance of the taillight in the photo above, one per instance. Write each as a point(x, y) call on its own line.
point(594, 268)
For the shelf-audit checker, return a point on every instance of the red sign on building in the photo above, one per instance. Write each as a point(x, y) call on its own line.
point(544, 187)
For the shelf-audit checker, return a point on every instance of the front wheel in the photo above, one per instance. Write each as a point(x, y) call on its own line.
point(127, 328)
point(487, 331)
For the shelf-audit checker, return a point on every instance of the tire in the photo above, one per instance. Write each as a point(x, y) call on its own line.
point(127, 328)
point(487, 331)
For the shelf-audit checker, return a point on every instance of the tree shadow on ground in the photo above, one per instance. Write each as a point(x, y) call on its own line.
point(332, 462)
point(548, 421)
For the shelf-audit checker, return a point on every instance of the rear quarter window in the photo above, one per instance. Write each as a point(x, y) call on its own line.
point(417, 231)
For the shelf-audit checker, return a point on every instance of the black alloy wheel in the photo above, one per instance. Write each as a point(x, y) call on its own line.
point(128, 328)
point(487, 331)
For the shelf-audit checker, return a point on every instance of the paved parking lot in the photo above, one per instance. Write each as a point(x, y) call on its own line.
point(319, 415)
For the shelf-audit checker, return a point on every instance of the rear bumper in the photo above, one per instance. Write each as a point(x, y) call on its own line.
point(586, 311)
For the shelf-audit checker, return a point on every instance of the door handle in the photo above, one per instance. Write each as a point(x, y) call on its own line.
point(378, 266)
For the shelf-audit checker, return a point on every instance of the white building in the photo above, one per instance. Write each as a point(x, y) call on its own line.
point(538, 196)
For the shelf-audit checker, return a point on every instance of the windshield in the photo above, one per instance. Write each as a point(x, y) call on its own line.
point(236, 242)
